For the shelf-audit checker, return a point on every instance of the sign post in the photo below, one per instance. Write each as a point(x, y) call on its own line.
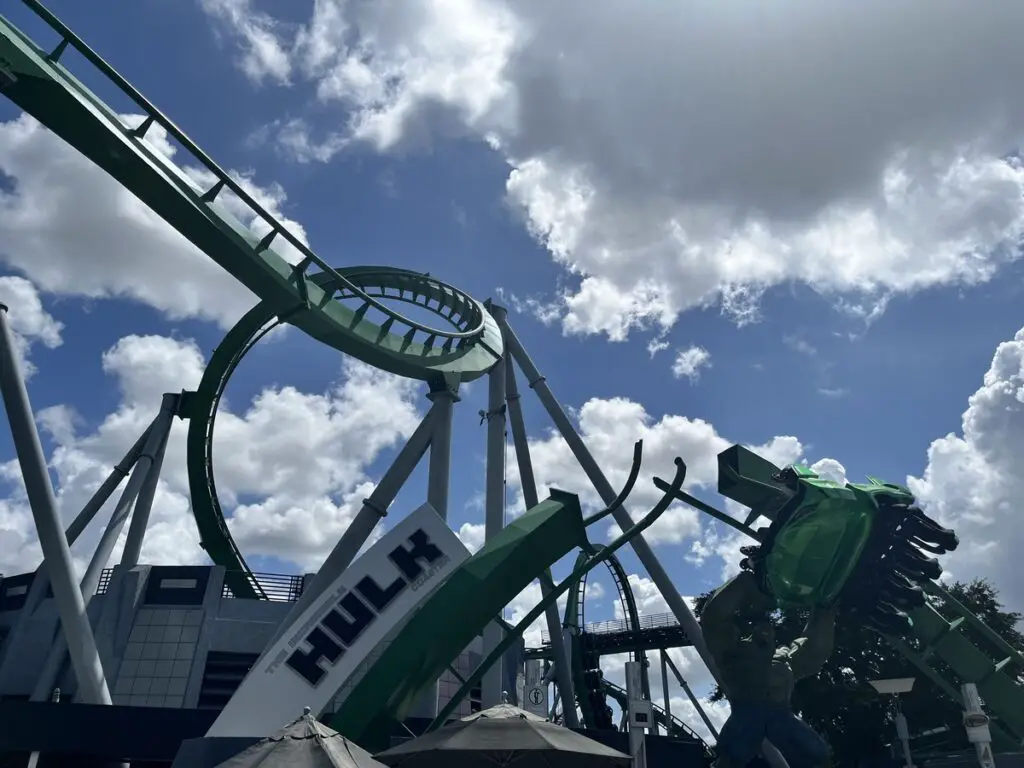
point(976, 724)
point(314, 657)
point(640, 713)
point(535, 690)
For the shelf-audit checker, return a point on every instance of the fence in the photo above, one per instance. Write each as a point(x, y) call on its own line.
point(278, 587)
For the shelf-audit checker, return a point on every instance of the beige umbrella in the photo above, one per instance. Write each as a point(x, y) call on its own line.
point(304, 743)
point(502, 736)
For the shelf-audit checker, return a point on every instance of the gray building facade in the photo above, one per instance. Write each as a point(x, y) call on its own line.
point(174, 637)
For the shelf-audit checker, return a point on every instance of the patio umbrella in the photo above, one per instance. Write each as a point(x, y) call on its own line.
point(502, 736)
point(304, 743)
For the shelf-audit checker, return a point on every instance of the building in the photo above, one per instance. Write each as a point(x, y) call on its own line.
point(172, 639)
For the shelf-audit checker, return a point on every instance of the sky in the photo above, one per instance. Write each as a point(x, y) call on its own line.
point(793, 227)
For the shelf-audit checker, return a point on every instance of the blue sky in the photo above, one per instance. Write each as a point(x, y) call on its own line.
point(872, 395)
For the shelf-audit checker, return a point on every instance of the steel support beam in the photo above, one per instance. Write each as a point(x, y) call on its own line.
point(562, 669)
point(374, 508)
point(494, 504)
point(443, 396)
point(42, 578)
point(108, 540)
point(621, 515)
point(147, 490)
point(56, 553)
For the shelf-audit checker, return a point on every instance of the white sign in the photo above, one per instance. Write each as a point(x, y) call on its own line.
point(314, 657)
point(536, 692)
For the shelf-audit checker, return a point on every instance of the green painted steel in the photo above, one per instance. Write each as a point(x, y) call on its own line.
point(996, 671)
point(41, 85)
point(573, 578)
point(200, 407)
point(575, 622)
point(939, 648)
point(454, 614)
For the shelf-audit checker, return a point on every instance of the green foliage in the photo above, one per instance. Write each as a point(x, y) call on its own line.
point(841, 705)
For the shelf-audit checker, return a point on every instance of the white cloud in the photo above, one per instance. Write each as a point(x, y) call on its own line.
point(72, 230)
point(472, 535)
point(679, 156)
point(690, 361)
point(29, 321)
point(973, 481)
point(610, 427)
point(291, 453)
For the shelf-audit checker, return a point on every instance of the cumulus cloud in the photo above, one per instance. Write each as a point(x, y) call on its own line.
point(690, 361)
point(679, 156)
point(30, 323)
point(973, 480)
point(610, 427)
point(72, 230)
point(289, 454)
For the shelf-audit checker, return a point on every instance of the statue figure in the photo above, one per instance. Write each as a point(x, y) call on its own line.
point(759, 676)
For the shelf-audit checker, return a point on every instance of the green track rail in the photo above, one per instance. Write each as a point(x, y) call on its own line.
point(38, 82)
point(200, 407)
point(453, 615)
point(943, 652)
point(950, 652)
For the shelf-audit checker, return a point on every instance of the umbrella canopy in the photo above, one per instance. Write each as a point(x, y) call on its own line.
point(304, 743)
point(502, 736)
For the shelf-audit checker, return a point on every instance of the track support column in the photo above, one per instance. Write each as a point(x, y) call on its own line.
point(562, 668)
point(84, 656)
point(444, 393)
point(621, 516)
point(494, 504)
point(78, 525)
point(90, 581)
point(147, 488)
point(664, 688)
point(373, 510)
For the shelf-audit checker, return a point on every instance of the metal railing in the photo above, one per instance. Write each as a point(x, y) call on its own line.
point(104, 583)
point(651, 621)
point(278, 587)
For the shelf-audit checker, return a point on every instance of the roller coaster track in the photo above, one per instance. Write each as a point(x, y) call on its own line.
point(350, 310)
point(38, 82)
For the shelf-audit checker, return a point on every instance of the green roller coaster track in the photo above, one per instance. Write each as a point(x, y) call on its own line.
point(310, 295)
point(39, 83)
point(200, 407)
point(351, 310)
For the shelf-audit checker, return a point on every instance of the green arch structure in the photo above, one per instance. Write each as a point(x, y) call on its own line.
point(396, 285)
point(574, 621)
point(348, 309)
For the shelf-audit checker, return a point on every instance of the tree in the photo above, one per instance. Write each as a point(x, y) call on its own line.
point(841, 705)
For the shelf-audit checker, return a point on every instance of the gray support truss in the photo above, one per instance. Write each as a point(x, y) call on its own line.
point(374, 508)
point(147, 490)
point(621, 515)
point(156, 437)
point(664, 684)
point(42, 579)
point(443, 395)
point(494, 506)
point(56, 553)
point(562, 670)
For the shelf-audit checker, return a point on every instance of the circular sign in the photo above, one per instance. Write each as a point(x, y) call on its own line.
point(537, 696)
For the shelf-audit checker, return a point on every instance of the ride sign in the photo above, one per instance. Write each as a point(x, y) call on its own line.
point(315, 657)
